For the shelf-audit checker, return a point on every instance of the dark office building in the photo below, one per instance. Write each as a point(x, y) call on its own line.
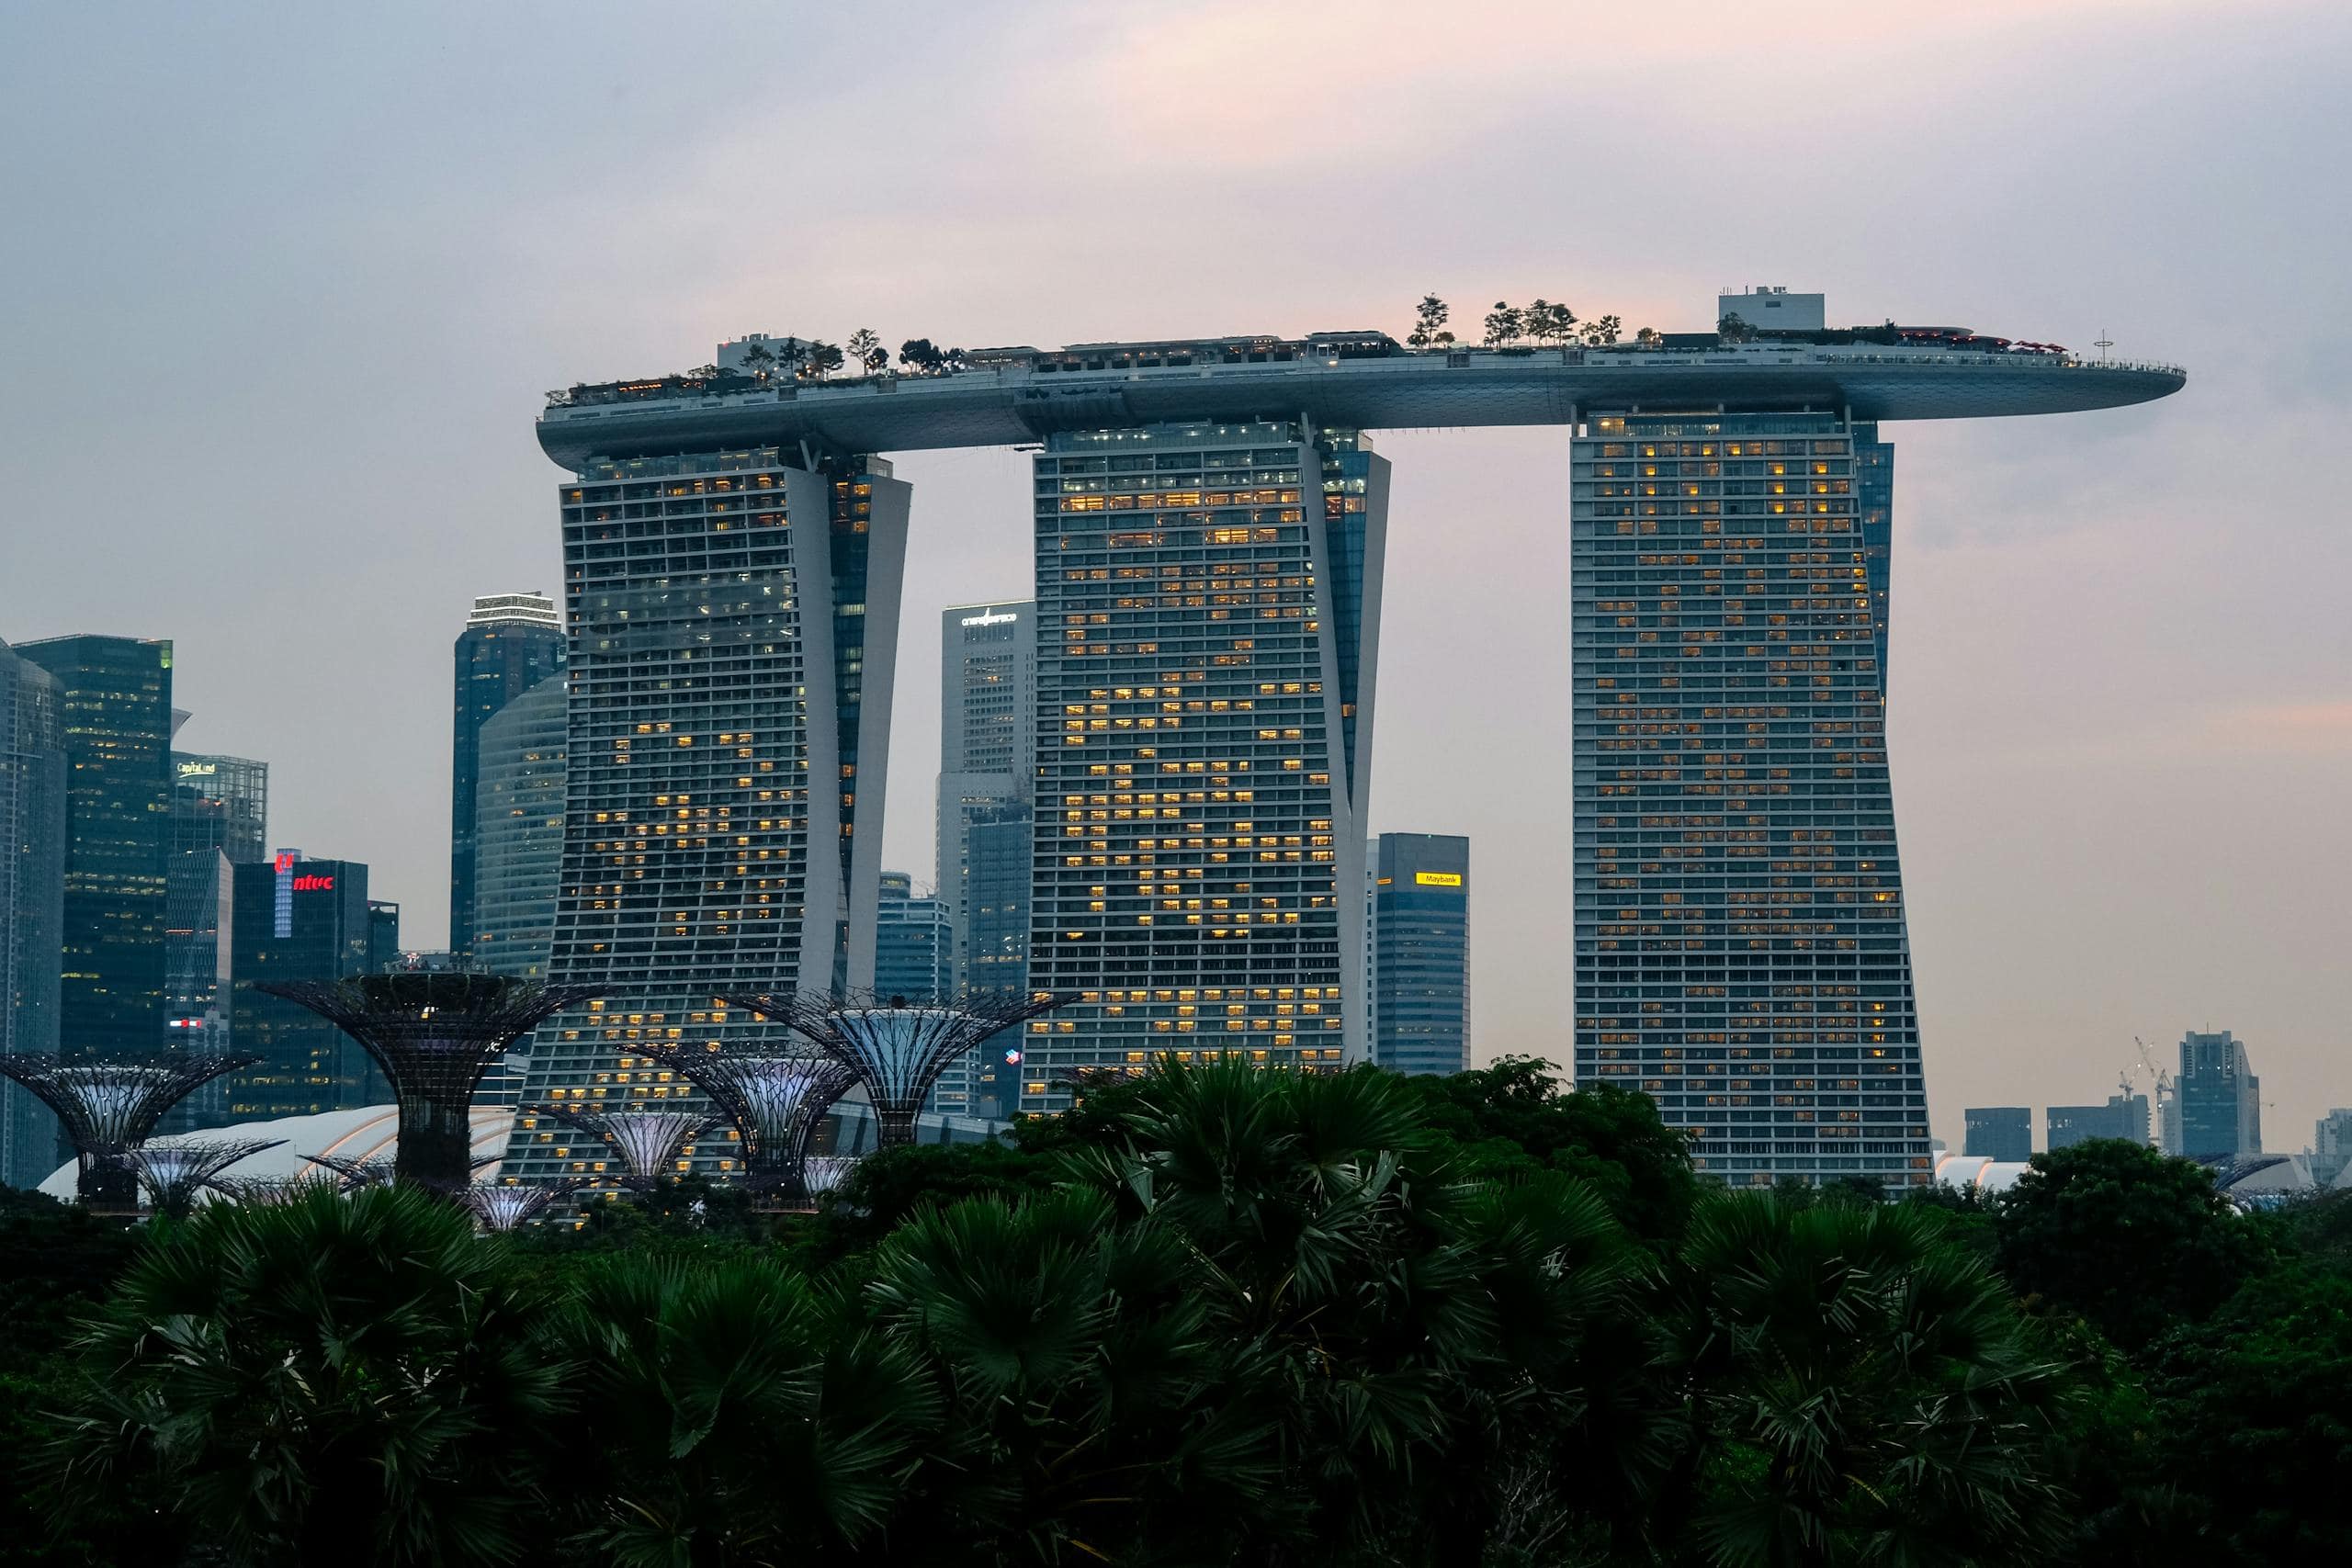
point(2002, 1133)
point(219, 814)
point(32, 903)
point(1420, 953)
point(512, 642)
point(2221, 1098)
point(2123, 1116)
point(295, 919)
point(114, 697)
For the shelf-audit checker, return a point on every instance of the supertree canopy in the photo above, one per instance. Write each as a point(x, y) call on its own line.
point(109, 1107)
point(264, 1191)
point(171, 1173)
point(648, 1142)
point(434, 1033)
point(501, 1208)
point(776, 1102)
point(822, 1173)
point(897, 1051)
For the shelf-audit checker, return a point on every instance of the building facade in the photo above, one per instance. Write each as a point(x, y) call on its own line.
point(1741, 949)
point(1208, 598)
point(2220, 1098)
point(2124, 1116)
point(2331, 1147)
point(988, 728)
point(512, 642)
point(2003, 1133)
point(294, 917)
point(220, 816)
point(518, 833)
point(114, 699)
point(914, 957)
point(734, 621)
point(1420, 953)
point(32, 903)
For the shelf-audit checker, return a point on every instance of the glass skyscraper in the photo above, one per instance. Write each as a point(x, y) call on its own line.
point(518, 834)
point(1741, 952)
point(220, 817)
point(1209, 605)
point(987, 726)
point(293, 918)
point(1420, 953)
point(512, 642)
point(114, 697)
point(734, 625)
point(32, 904)
point(2220, 1098)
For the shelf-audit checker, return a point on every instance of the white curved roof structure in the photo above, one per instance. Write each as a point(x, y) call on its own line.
point(369, 1132)
point(1978, 1173)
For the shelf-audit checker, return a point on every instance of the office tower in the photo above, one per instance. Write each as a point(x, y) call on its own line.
point(734, 623)
point(512, 642)
point(2221, 1098)
point(518, 834)
point(219, 813)
point(2000, 1133)
point(2331, 1147)
point(293, 918)
point(995, 951)
point(987, 726)
point(1741, 952)
point(1205, 685)
point(32, 904)
point(2124, 1116)
point(914, 957)
point(1420, 953)
point(114, 697)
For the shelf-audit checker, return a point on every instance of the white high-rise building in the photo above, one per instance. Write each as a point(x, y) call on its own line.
point(988, 723)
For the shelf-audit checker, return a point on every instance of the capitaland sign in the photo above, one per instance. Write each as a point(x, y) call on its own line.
point(198, 770)
point(990, 618)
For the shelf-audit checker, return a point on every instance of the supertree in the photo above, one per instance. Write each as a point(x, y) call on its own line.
point(823, 1173)
point(109, 1107)
point(170, 1174)
point(776, 1102)
point(648, 1141)
point(897, 1051)
point(354, 1174)
point(434, 1033)
point(502, 1208)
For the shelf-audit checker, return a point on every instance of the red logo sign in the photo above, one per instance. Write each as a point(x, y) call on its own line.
point(314, 883)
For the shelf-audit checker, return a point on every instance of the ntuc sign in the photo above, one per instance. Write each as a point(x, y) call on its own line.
point(310, 882)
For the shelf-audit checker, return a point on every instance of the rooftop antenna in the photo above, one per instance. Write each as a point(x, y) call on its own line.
point(2103, 344)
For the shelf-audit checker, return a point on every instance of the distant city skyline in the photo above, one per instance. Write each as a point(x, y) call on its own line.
point(2092, 631)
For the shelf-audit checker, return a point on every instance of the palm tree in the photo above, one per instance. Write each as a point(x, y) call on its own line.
point(329, 1378)
point(1859, 1389)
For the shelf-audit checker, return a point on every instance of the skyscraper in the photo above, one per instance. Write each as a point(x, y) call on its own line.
point(1211, 596)
point(115, 713)
point(2221, 1098)
point(1420, 953)
point(219, 813)
point(2331, 1146)
point(518, 834)
point(914, 957)
point(1999, 1132)
point(1741, 952)
point(511, 643)
point(32, 903)
point(293, 918)
point(734, 620)
point(2123, 1116)
point(987, 727)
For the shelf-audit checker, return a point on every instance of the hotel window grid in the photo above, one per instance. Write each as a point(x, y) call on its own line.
point(1198, 871)
point(1741, 951)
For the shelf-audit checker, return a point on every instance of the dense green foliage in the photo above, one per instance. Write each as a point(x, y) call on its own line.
point(1211, 1316)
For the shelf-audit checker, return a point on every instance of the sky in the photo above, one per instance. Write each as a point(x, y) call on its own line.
point(284, 286)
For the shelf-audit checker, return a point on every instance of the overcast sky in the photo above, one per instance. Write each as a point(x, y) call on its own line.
point(284, 284)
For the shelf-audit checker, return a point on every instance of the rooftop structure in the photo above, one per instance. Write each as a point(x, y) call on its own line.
point(365, 1134)
point(1351, 381)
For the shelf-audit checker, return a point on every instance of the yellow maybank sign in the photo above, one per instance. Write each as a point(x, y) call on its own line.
point(1438, 878)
